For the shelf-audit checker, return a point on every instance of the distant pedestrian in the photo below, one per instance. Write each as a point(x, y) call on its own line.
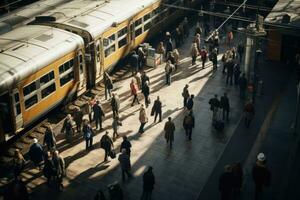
point(241, 50)
point(169, 48)
point(68, 128)
point(145, 78)
point(107, 144)
point(146, 93)
point(161, 50)
point(49, 169)
point(169, 131)
point(60, 169)
point(108, 84)
point(178, 37)
point(148, 184)
point(198, 29)
point(115, 126)
point(18, 163)
point(168, 70)
point(226, 183)
point(190, 102)
point(36, 153)
point(225, 105)
point(141, 57)
point(189, 124)
point(194, 53)
point(216, 41)
point(197, 40)
point(156, 109)
point(214, 107)
point(134, 63)
point(236, 74)
point(88, 134)
point(49, 138)
point(238, 175)
point(78, 116)
point(185, 24)
point(98, 115)
point(176, 58)
point(134, 91)
point(143, 119)
point(185, 94)
point(229, 66)
point(126, 145)
point(124, 160)
point(261, 176)
point(214, 58)
point(249, 112)
point(138, 80)
point(100, 195)
point(243, 82)
point(229, 38)
point(203, 54)
point(115, 104)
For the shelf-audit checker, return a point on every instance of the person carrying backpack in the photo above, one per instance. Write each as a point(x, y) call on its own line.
point(189, 124)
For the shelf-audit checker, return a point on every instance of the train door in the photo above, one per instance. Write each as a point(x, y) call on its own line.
point(17, 109)
point(98, 61)
point(82, 74)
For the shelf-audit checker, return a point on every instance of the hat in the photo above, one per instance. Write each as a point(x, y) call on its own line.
point(35, 140)
point(261, 157)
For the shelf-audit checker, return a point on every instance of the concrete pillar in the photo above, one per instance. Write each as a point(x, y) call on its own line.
point(249, 56)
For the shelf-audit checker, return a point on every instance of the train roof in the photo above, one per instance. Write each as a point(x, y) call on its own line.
point(27, 49)
point(95, 16)
point(25, 14)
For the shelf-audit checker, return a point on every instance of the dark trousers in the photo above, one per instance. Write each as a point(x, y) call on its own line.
point(107, 92)
point(185, 101)
point(106, 154)
point(203, 63)
point(194, 60)
point(215, 64)
point(236, 79)
point(247, 122)
point(141, 129)
point(229, 79)
point(146, 100)
point(188, 132)
point(170, 143)
point(156, 114)
point(225, 114)
point(88, 143)
point(258, 192)
point(135, 98)
point(98, 122)
point(115, 113)
point(78, 126)
point(124, 171)
point(146, 195)
point(225, 195)
point(168, 79)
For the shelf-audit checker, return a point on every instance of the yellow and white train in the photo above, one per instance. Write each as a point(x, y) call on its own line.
point(65, 51)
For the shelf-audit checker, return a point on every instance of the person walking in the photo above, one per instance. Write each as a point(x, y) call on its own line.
point(78, 116)
point(146, 93)
point(161, 51)
point(60, 169)
point(141, 58)
point(189, 124)
point(185, 94)
point(214, 107)
point(238, 175)
point(49, 138)
point(156, 109)
point(197, 40)
point(194, 53)
point(241, 50)
point(49, 169)
point(214, 58)
point(138, 80)
point(115, 104)
point(18, 163)
point(203, 54)
point(108, 84)
point(115, 125)
point(249, 112)
point(243, 86)
point(226, 183)
point(144, 78)
point(107, 144)
point(225, 106)
point(169, 131)
point(261, 175)
point(169, 48)
point(148, 184)
point(134, 90)
point(236, 74)
point(168, 70)
point(190, 102)
point(124, 160)
point(36, 153)
point(134, 63)
point(98, 115)
point(176, 58)
point(126, 145)
point(88, 134)
point(68, 128)
point(143, 119)
point(229, 66)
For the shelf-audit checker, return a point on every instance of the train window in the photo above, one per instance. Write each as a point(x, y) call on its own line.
point(48, 90)
point(31, 101)
point(138, 32)
point(111, 39)
point(66, 66)
point(109, 50)
point(46, 78)
point(67, 78)
point(138, 22)
point(18, 109)
point(29, 88)
point(122, 42)
point(146, 17)
point(122, 32)
point(17, 99)
point(147, 26)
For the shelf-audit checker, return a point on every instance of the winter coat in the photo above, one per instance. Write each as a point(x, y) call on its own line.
point(115, 125)
point(133, 88)
point(36, 153)
point(189, 121)
point(169, 130)
point(146, 90)
point(124, 161)
point(157, 106)
point(49, 168)
point(144, 79)
point(126, 145)
point(185, 93)
point(194, 51)
point(106, 143)
point(224, 103)
point(77, 116)
point(161, 49)
point(143, 116)
point(88, 132)
point(169, 68)
point(115, 103)
point(68, 127)
point(59, 164)
point(214, 103)
point(98, 111)
point(169, 46)
point(148, 181)
point(49, 138)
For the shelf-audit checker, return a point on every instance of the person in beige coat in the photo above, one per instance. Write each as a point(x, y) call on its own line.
point(143, 118)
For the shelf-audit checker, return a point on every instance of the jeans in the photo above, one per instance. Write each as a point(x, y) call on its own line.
point(141, 129)
point(168, 79)
point(98, 122)
point(88, 143)
point(135, 99)
point(107, 92)
point(156, 114)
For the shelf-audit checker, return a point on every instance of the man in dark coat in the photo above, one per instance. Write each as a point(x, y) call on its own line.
point(124, 160)
point(78, 116)
point(126, 145)
point(134, 62)
point(236, 74)
point(144, 79)
point(190, 103)
point(156, 109)
point(225, 106)
point(107, 144)
point(60, 169)
point(98, 114)
point(169, 47)
point(185, 94)
point(115, 105)
point(146, 92)
point(36, 153)
point(214, 58)
point(189, 124)
point(240, 50)
point(108, 85)
point(49, 138)
point(243, 86)
point(88, 134)
point(226, 184)
point(229, 66)
point(169, 131)
point(148, 184)
point(49, 168)
point(68, 128)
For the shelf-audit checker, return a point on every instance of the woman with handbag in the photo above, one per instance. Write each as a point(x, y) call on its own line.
point(107, 144)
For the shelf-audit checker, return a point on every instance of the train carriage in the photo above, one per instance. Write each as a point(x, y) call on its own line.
point(40, 66)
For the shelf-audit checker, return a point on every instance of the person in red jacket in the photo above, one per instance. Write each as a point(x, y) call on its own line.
point(134, 90)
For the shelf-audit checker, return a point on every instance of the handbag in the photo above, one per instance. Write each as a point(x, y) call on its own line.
point(112, 154)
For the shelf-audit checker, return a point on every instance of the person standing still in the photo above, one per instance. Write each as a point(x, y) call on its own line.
point(115, 105)
point(49, 138)
point(185, 94)
point(98, 115)
point(68, 128)
point(146, 93)
point(88, 134)
point(126, 145)
point(78, 116)
point(189, 124)
point(108, 85)
point(161, 51)
point(169, 131)
point(214, 58)
point(190, 103)
point(134, 91)
point(36, 153)
point(148, 184)
point(124, 160)
point(60, 169)
point(225, 106)
point(229, 66)
point(168, 70)
point(107, 144)
point(203, 54)
point(143, 119)
point(115, 125)
point(194, 53)
point(236, 74)
point(240, 50)
point(156, 109)
point(134, 63)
